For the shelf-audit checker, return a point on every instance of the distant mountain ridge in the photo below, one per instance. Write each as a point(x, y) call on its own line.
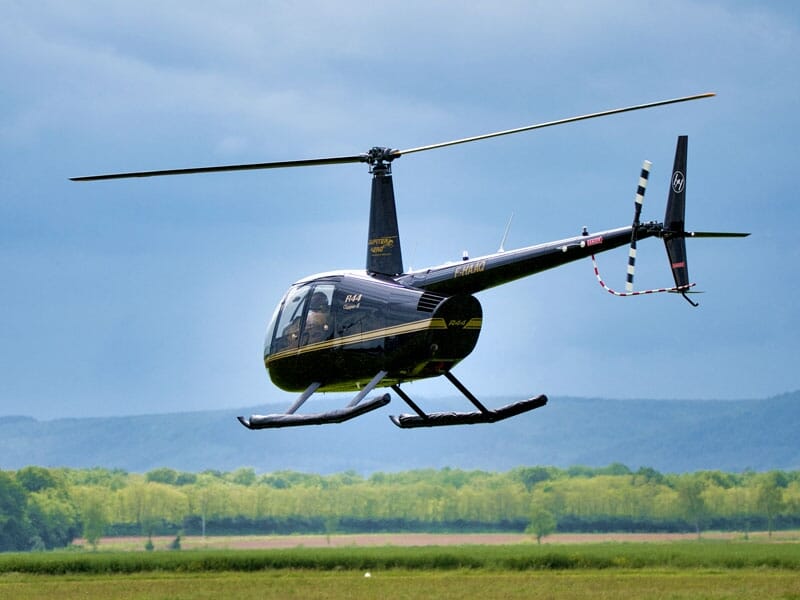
point(668, 435)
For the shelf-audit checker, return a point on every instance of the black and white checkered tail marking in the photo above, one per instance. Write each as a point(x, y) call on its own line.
point(637, 207)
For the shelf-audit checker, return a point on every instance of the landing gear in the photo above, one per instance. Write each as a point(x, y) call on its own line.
point(482, 415)
point(356, 408)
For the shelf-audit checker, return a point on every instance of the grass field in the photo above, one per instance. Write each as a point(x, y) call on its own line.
point(590, 583)
point(679, 569)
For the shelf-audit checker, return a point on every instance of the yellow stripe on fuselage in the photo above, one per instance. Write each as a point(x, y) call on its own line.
point(365, 336)
point(474, 323)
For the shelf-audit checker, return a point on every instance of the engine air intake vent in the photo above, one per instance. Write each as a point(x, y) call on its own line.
point(429, 301)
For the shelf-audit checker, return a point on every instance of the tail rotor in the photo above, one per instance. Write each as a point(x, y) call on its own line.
point(644, 176)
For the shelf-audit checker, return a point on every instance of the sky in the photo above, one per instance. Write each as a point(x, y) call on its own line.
point(153, 295)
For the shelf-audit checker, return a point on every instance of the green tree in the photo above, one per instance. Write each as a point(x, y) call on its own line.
point(769, 496)
point(186, 479)
point(331, 524)
point(53, 517)
point(530, 476)
point(207, 498)
point(94, 517)
point(648, 475)
point(113, 479)
point(690, 499)
point(162, 504)
point(542, 524)
point(243, 476)
point(36, 479)
point(49, 511)
point(162, 475)
point(614, 469)
point(15, 529)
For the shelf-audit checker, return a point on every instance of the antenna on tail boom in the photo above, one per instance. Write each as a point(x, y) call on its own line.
point(505, 234)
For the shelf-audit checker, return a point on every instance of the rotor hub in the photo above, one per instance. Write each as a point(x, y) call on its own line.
point(380, 159)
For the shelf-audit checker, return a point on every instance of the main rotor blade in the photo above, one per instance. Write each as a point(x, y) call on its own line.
point(551, 123)
point(245, 167)
point(385, 153)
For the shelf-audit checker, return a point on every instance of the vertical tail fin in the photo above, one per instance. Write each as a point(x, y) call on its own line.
point(674, 219)
point(383, 247)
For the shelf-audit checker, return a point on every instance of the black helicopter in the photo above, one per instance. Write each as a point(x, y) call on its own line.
point(353, 331)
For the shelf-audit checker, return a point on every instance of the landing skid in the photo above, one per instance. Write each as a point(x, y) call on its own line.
point(356, 408)
point(482, 415)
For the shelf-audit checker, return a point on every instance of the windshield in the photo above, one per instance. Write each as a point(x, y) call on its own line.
point(287, 326)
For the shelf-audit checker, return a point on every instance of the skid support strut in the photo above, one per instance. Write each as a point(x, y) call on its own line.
point(290, 419)
point(482, 415)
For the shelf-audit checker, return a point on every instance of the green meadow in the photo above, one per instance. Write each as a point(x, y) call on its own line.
point(698, 569)
point(399, 583)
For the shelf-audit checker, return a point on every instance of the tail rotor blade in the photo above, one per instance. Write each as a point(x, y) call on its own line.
point(644, 175)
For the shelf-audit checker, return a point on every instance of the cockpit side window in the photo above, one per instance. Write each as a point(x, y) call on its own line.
point(319, 319)
point(287, 330)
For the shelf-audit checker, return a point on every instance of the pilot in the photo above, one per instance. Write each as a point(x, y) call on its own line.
point(317, 319)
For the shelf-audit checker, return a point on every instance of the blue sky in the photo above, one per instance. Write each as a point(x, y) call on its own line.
point(152, 295)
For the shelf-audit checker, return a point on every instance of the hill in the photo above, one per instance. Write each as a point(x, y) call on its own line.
point(668, 435)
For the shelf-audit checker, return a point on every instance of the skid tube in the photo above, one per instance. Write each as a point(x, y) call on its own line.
point(356, 408)
point(482, 415)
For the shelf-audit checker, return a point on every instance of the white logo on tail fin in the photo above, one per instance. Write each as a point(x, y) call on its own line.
point(678, 182)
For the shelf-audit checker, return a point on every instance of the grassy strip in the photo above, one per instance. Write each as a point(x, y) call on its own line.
point(645, 584)
point(508, 558)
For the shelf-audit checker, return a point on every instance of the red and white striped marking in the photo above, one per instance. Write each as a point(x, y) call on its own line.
point(675, 289)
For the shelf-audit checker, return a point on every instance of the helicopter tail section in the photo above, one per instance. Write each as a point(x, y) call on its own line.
point(672, 230)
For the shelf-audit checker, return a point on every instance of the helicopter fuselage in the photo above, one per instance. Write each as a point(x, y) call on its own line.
point(340, 328)
point(361, 325)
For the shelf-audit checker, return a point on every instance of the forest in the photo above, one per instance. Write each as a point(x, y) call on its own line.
point(43, 508)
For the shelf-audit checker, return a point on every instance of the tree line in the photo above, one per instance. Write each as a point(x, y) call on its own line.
point(42, 508)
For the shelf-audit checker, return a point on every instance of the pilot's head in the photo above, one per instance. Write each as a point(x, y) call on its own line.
point(318, 302)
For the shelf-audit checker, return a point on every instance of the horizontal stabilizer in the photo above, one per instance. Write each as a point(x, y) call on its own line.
point(275, 421)
point(470, 418)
